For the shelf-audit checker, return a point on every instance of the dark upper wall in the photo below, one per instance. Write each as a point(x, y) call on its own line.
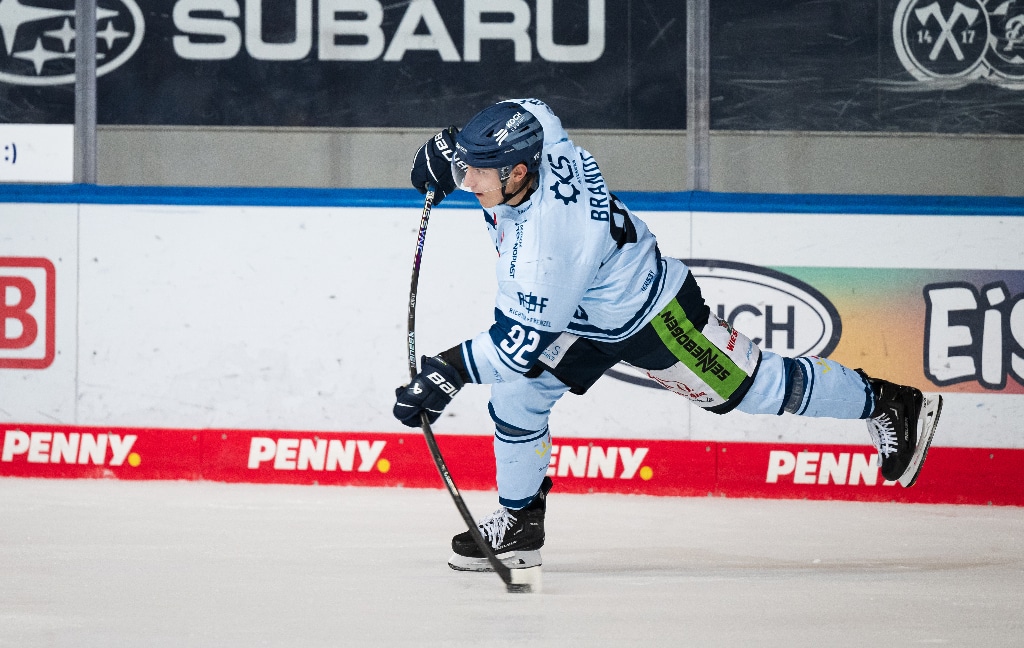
point(894, 66)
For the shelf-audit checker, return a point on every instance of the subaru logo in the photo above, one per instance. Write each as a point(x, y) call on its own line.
point(39, 42)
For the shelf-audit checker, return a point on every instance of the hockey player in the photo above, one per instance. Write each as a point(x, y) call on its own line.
point(583, 286)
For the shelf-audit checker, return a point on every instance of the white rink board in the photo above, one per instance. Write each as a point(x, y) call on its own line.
point(47, 231)
point(294, 318)
point(37, 152)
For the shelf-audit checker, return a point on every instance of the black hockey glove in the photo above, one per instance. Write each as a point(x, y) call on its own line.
point(430, 391)
point(433, 165)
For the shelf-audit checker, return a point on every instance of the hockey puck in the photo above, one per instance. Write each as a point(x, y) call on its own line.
point(524, 581)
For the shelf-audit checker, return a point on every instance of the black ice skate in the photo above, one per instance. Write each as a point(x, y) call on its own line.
point(515, 536)
point(902, 427)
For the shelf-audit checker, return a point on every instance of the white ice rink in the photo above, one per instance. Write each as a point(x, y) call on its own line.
point(112, 563)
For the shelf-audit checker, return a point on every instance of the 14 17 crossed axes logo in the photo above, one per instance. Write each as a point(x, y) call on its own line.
point(959, 41)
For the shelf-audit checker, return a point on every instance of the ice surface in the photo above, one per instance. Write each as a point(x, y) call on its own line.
point(113, 563)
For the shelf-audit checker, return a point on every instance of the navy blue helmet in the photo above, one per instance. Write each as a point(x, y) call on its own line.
point(500, 137)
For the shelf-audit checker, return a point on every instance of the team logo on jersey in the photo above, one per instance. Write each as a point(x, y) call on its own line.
point(960, 41)
point(564, 171)
point(39, 42)
point(532, 303)
point(573, 192)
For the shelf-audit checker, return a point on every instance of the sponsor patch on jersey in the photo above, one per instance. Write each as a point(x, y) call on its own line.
point(705, 354)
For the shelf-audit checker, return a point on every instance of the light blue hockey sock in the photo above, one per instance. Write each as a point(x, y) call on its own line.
point(522, 442)
point(823, 387)
point(521, 459)
point(807, 386)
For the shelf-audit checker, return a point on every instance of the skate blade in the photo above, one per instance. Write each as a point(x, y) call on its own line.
point(511, 559)
point(930, 410)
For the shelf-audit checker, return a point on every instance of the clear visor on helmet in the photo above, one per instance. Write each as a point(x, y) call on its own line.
point(476, 180)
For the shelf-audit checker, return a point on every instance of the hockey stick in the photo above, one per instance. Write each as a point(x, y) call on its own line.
point(503, 571)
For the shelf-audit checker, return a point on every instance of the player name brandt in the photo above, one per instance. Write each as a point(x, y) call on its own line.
point(314, 454)
point(599, 204)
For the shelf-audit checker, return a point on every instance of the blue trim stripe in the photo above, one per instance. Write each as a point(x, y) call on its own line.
point(869, 401)
point(467, 359)
point(500, 435)
point(408, 197)
point(508, 363)
point(809, 384)
point(217, 196)
point(853, 204)
point(627, 328)
point(516, 505)
point(788, 367)
point(512, 430)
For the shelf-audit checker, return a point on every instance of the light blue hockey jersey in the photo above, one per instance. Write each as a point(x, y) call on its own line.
point(571, 259)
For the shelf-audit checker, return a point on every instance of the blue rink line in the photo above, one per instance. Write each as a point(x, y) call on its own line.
point(410, 198)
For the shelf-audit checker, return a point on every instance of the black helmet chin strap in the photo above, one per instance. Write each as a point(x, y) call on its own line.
point(529, 182)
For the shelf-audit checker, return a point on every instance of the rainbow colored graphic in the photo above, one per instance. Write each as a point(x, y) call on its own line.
point(941, 330)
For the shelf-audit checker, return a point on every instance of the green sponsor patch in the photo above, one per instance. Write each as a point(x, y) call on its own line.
point(696, 352)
